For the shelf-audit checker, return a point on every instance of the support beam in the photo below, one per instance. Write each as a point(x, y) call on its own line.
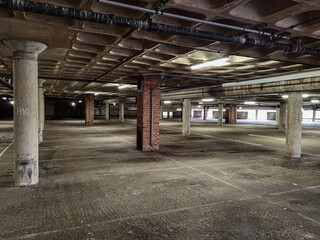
point(186, 115)
point(220, 114)
point(25, 82)
point(41, 110)
point(144, 116)
point(283, 117)
point(294, 125)
point(89, 110)
point(121, 111)
point(278, 115)
point(107, 117)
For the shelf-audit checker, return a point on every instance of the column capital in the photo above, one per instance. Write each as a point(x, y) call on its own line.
point(25, 48)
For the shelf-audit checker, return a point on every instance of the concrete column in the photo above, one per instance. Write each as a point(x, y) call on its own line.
point(121, 111)
point(205, 112)
point(220, 114)
point(41, 109)
point(234, 114)
point(231, 114)
point(89, 110)
point(294, 125)
point(314, 113)
point(107, 111)
point(283, 117)
point(278, 116)
point(257, 114)
point(186, 115)
point(161, 113)
point(25, 95)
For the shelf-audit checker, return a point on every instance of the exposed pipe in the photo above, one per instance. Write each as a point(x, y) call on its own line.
point(151, 110)
point(158, 12)
point(54, 10)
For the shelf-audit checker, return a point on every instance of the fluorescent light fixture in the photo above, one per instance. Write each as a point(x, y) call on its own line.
point(213, 63)
point(305, 95)
point(167, 102)
point(200, 102)
point(4, 98)
point(250, 103)
point(80, 101)
point(12, 102)
point(285, 96)
point(122, 86)
point(73, 104)
point(179, 109)
point(315, 101)
point(96, 93)
point(207, 100)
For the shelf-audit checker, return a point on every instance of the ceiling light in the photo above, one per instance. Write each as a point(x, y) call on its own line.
point(207, 100)
point(213, 63)
point(250, 103)
point(73, 104)
point(305, 95)
point(96, 93)
point(285, 96)
point(12, 102)
point(179, 109)
point(315, 101)
point(4, 98)
point(122, 86)
point(166, 102)
point(80, 101)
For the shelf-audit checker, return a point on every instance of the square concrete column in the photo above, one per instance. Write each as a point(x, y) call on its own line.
point(89, 110)
point(161, 113)
point(148, 129)
point(205, 113)
point(220, 114)
point(294, 125)
point(121, 110)
point(41, 109)
point(107, 111)
point(26, 110)
point(283, 117)
point(314, 114)
point(186, 115)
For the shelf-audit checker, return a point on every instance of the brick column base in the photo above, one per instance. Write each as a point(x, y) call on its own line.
point(89, 110)
point(144, 115)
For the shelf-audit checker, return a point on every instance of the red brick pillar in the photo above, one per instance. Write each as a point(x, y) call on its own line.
point(89, 110)
point(144, 115)
point(231, 114)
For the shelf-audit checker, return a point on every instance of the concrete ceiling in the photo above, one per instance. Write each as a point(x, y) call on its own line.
point(116, 55)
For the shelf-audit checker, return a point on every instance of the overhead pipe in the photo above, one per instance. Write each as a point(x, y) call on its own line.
point(54, 10)
point(171, 15)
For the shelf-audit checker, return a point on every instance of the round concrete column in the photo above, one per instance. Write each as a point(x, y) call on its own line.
point(41, 109)
point(294, 125)
point(186, 115)
point(25, 82)
point(121, 111)
point(107, 111)
point(220, 114)
point(283, 117)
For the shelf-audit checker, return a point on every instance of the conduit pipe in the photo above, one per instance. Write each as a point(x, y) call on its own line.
point(58, 11)
point(158, 12)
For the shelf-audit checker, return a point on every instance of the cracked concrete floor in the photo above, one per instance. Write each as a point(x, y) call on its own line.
point(227, 182)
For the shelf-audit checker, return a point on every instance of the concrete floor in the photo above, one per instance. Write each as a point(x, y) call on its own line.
point(228, 182)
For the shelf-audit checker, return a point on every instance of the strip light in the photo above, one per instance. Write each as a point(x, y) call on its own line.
point(122, 86)
point(207, 100)
point(213, 63)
